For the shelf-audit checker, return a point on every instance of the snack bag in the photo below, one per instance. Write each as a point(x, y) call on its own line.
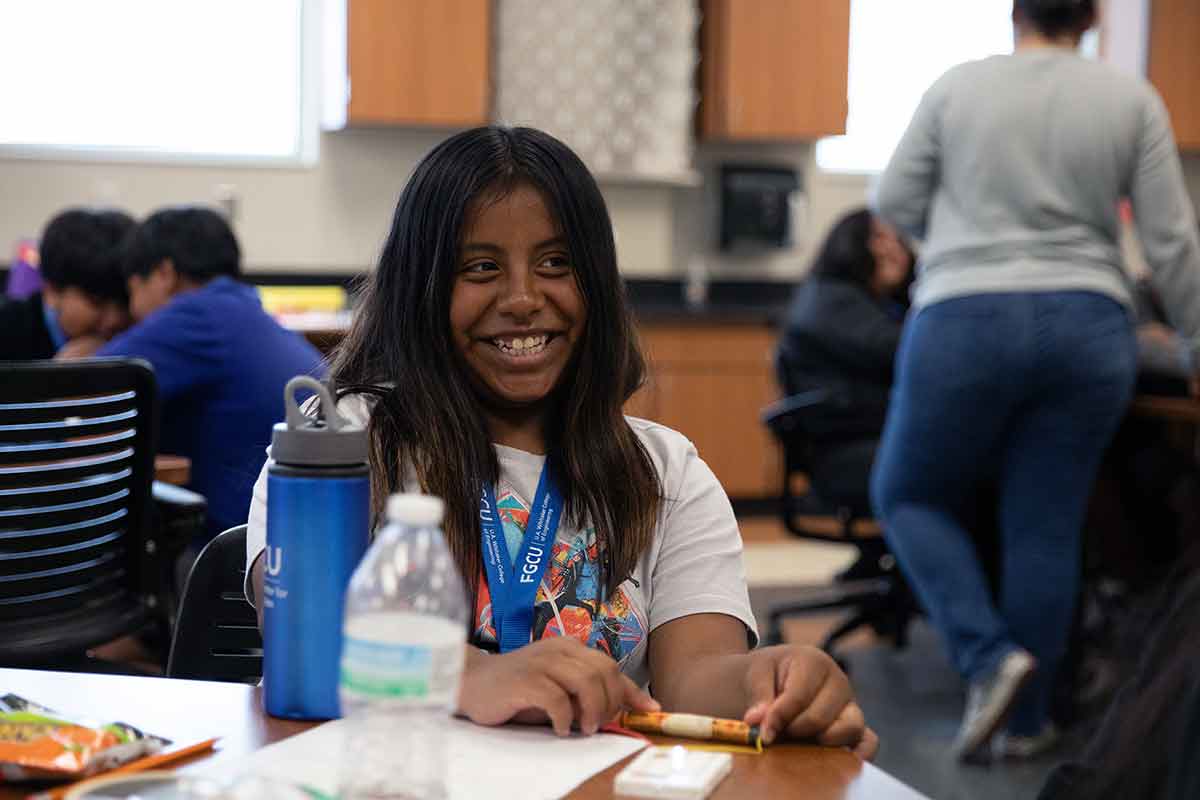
point(39, 744)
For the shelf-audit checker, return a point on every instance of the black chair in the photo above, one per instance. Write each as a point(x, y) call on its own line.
point(879, 598)
point(79, 564)
point(216, 635)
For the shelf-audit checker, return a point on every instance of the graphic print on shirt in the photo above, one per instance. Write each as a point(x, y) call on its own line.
point(615, 627)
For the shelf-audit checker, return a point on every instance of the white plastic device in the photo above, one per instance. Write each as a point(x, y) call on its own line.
point(673, 772)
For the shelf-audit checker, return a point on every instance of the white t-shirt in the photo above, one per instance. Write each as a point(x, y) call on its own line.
point(693, 566)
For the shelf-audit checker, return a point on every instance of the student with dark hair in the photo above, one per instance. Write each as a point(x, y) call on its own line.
point(220, 360)
point(1020, 358)
point(83, 290)
point(1148, 744)
point(493, 346)
point(841, 334)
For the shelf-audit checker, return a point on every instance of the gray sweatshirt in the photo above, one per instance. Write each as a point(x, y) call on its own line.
point(1011, 172)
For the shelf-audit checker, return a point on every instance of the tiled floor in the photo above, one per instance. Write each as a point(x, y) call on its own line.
point(912, 697)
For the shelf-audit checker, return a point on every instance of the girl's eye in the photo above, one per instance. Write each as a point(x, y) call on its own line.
point(480, 268)
point(556, 263)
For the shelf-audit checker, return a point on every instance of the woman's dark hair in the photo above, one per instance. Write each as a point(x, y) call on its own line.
point(845, 253)
point(1137, 749)
point(81, 247)
point(198, 241)
point(1056, 17)
point(428, 416)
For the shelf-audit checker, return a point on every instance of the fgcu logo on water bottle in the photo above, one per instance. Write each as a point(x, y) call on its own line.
point(274, 566)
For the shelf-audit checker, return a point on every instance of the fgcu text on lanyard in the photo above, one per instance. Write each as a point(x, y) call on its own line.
point(512, 584)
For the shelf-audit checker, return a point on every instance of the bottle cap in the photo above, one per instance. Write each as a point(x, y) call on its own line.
point(308, 442)
point(415, 510)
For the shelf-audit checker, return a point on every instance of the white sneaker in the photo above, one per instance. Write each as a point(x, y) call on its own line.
point(1027, 747)
point(989, 701)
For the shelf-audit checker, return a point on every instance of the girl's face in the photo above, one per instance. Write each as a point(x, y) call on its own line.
point(516, 312)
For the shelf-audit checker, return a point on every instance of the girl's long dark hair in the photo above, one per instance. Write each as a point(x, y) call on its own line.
point(427, 416)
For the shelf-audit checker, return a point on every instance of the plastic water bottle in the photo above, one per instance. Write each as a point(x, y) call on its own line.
point(402, 656)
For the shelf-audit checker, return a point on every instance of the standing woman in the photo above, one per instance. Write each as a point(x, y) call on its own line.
point(1021, 356)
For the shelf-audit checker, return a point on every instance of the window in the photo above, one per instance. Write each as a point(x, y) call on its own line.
point(896, 51)
point(155, 79)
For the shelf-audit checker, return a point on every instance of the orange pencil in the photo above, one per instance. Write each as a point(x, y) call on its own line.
point(138, 765)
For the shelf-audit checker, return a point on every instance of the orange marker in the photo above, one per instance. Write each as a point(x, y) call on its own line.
point(691, 726)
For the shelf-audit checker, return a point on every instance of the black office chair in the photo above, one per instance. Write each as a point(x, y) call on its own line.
point(880, 599)
point(216, 635)
point(79, 563)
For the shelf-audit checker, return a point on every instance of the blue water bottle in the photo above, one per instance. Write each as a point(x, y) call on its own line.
point(318, 496)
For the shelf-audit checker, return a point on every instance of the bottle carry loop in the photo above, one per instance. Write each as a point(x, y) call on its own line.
point(296, 418)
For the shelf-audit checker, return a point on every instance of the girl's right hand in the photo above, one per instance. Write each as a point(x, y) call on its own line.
point(558, 680)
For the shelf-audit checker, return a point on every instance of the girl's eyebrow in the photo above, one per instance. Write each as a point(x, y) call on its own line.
point(492, 249)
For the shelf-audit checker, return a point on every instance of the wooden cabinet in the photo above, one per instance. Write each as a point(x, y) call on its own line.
point(417, 62)
point(1173, 65)
point(709, 381)
point(773, 69)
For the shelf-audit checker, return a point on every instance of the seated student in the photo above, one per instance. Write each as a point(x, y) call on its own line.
point(494, 340)
point(841, 335)
point(83, 290)
point(221, 362)
point(1165, 363)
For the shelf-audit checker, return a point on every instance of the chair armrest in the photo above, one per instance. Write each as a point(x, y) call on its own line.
point(179, 515)
point(785, 416)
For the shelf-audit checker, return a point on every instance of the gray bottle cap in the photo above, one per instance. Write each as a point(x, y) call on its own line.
point(307, 442)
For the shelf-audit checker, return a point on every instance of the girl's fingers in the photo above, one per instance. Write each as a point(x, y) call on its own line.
point(847, 730)
point(822, 711)
point(554, 700)
point(868, 746)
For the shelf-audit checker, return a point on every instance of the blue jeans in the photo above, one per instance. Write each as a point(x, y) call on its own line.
point(1026, 389)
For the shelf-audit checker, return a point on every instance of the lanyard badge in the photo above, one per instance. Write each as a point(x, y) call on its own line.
point(512, 584)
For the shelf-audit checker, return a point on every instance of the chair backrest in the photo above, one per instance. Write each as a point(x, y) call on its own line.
point(216, 634)
point(793, 420)
point(77, 442)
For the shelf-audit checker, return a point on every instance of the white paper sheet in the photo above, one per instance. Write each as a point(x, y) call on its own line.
point(524, 762)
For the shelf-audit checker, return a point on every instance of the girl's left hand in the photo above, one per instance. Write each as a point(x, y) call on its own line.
point(800, 692)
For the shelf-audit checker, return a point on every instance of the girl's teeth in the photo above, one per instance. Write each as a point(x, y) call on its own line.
point(519, 345)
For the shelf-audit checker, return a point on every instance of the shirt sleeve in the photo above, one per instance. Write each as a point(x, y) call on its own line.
point(699, 567)
point(256, 527)
point(1166, 222)
point(182, 345)
point(905, 190)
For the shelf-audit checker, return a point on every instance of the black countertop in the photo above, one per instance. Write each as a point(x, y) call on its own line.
point(747, 302)
point(731, 302)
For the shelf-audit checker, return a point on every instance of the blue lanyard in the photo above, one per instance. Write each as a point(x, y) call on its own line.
point(512, 584)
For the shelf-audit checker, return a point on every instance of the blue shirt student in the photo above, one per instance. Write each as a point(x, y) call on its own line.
point(221, 363)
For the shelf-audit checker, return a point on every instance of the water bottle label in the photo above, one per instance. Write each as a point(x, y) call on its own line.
point(384, 670)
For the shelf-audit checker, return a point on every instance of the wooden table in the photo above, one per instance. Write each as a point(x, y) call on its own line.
point(176, 470)
point(190, 711)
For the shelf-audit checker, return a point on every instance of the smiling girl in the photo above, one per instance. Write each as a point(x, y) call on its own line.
point(491, 356)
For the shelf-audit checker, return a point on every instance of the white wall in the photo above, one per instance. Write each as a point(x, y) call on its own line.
point(333, 217)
